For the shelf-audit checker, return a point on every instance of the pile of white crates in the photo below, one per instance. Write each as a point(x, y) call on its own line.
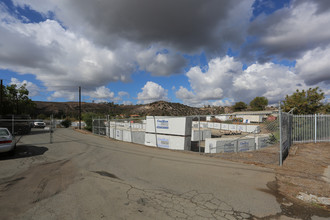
point(168, 132)
point(127, 131)
point(177, 133)
point(247, 143)
point(228, 127)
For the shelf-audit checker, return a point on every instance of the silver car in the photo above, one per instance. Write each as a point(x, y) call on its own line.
point(7, 141)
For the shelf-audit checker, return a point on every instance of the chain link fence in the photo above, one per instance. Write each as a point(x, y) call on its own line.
point(17, 125)
point(283, 131)
point(128, 130)
point(100, 125)
point(24, 125)
point(285, 124)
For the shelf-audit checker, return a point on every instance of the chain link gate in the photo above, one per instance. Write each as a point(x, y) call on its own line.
point(285, 124)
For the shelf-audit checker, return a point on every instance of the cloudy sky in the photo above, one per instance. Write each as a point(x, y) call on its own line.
point(196, 52)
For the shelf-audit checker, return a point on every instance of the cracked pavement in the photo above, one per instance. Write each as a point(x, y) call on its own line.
point(82, 176)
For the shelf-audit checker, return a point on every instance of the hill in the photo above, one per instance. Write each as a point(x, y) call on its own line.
point(71, 109)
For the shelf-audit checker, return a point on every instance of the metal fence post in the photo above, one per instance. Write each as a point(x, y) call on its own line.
point(280, 125)
point(51, 129)
point(155, 131)
point(199, 133)
point(93, 125)
point(255, 144)
point(130, 128)
point(315, 137)
point(115, 130)
point(107, 131)
point(99, 125)
point(12, 124)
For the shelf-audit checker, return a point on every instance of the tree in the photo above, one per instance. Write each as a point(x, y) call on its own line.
point(239, 106)
point(16, 100)
point(305, 102)
point(66, 123)
point(259, 103)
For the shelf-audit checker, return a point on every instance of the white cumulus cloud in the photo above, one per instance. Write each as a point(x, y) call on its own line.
point(314, 66)
point(225, 82)
point(152, 92)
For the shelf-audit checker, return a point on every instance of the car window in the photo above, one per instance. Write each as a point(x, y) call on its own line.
point(4, 132)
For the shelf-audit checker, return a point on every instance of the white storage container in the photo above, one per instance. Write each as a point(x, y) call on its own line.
point(216, 125)
point(210, 125)
point(206, 134)
point(195, 124)
point(219, 145)
point(169, 125)
point(168, 141)
point(224, 127)
point(252, 118)
point(195, 136)
point(119, 134)
point(241, 128)
point(134, 136)
point(138, 137)
point(112, 132)
point(127, 136)
point(246, 144)
point(204, 124)
point(261, 140)
point(107, 131)
point(253, 128)
point(232, 127)
point(222, 117)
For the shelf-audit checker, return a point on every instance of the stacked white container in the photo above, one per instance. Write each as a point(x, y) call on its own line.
point(168, 132)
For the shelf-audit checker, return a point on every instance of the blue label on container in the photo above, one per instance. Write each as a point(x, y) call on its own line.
point(162, 124)
point(163, 142)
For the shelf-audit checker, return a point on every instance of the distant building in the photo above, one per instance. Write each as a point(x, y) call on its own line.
point(247, 116)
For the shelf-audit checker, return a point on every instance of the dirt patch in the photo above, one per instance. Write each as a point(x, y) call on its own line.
point(304, 170)
point(22, 191)
point(83, 131)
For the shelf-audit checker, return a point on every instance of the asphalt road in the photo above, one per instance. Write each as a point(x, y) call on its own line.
point(83, 176)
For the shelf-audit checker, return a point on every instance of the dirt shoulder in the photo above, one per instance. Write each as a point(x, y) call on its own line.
point(305, 172)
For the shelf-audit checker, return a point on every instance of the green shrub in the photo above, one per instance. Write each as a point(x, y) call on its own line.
point(66, 123)
point(88, 119)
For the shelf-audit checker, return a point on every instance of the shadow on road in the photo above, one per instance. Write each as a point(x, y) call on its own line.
point(24, 151)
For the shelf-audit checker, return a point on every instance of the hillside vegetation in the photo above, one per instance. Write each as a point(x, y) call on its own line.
point(71, 109)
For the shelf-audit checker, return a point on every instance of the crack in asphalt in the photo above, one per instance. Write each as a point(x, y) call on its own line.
point(188, 205)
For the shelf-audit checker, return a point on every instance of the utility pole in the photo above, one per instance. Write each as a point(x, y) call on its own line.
point(79, 108)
